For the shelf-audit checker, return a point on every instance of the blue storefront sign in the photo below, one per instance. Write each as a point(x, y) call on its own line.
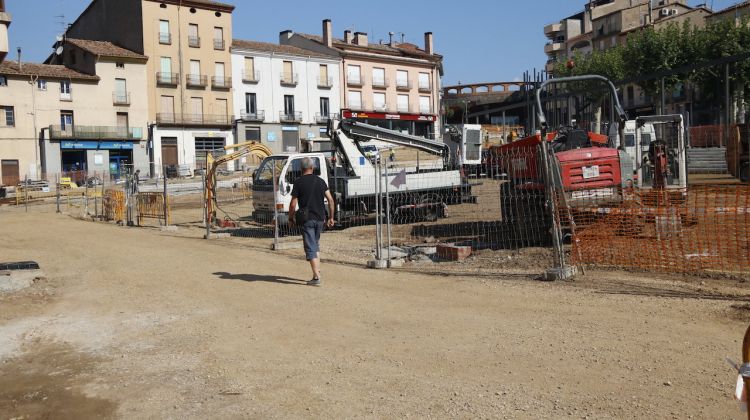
point(96, 145)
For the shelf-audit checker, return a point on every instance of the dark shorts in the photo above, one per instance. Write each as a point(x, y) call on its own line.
point(311, 231)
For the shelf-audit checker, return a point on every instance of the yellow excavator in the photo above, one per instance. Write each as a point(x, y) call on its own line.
point(212, 164)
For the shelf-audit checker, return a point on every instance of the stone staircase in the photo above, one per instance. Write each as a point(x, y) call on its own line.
point(707, 160)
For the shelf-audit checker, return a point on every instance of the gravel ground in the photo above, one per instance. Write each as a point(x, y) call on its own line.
point(139, 324)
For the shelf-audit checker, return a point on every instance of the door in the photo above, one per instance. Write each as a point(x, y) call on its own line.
point(121, 91)
point(222, 111)
point(288, 75)
point(324, 75)
point(66, 123)
point(290, 140)
point(165, 76)
point(251, 106)
point(324, 107)
point(196, 110)
point(9, 169)
point(122, 124)
point(219, 73)
point(289, 106)
point(195, 67)
point(167, 109)
point(169, 151)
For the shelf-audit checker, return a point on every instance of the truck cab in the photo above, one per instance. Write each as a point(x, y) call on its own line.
point(647, 135)
point(274, 180)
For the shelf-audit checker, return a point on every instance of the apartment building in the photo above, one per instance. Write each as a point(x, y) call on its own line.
point(393, 85)
point(284, 95)
point(189, 81)
point(4, 24)
point(106, 130)
point(737, 12)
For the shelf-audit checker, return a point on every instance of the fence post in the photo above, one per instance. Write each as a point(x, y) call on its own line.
point(207, 219)
point(96, 201)
point(166, 201)
point(275, 183)
point(57, 194)
point(387, 214)
point(26, 193)
point(378, 262)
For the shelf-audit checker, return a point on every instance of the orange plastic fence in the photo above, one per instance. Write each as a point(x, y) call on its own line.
point(114, 205)
point(711, 135)
point(704, 228)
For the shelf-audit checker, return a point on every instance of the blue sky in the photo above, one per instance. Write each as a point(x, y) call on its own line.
point(490, 40)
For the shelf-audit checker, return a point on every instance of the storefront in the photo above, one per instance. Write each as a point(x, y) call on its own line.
point(421, 125)
point(109, 158)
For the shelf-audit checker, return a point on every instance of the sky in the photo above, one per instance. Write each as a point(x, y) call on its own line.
point(487, 41)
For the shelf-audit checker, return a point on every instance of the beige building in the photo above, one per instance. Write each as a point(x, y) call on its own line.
point(189, 82)
point(394, 85)
point(4, 24)
point(737, 12)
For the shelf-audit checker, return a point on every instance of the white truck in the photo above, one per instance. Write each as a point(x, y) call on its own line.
point(465, 144)
point(353, 177)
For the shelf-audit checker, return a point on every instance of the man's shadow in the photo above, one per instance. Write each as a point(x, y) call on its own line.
point(255, 277)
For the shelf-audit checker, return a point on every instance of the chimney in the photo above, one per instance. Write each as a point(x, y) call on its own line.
point(428, 43)
point(348, 36)
point(327, 33)
point(284, 36)
point(20, 64)
point(391, 41)
point(360, 38)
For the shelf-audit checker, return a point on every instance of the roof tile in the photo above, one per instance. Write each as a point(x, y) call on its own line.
point(51, 71)
point(104, 49)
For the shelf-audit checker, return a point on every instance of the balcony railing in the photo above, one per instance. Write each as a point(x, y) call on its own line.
point(256, 116)
point(356, 106)
point(196, 80)
point(403, 84)
point(404, 109)
point(91, 132)
point(425, 110)
point(194, 41)
point(66, 96)
point(354, 81)
point(380, 82)
point(221, 82)
point(121, 98)
point(289, 79)
point(219, 44)
point(165, 38)
point(250, 76)
point(167, 79)
point(290, 117)
point(425, 87)
point(323, 119)
point(380, 108)
point(193, 119)
point(325, 82)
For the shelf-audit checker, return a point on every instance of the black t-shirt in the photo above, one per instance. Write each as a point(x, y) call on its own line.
point(310, 192)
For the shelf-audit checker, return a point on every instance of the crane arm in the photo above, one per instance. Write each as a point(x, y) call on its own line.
point(372, 132)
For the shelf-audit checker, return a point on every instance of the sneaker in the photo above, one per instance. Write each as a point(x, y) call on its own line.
point(314, 282)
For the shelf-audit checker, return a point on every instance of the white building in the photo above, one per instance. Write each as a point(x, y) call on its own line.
point(283, 94)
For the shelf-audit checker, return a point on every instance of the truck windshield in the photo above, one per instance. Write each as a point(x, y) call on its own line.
point(629, 140)
point(266, 172)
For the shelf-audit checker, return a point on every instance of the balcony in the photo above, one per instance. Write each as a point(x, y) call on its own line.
point(323, 119)
point(196, 81)
point(289, 79)
point(250, 76)
point(552, 29)
point(354, 81)
point(257, 116)
point(325, 82)
point(219, 44)
point(379, 82)
point(193, 119)
point(165, 38)
point(167, 79)
point(90, 132)
point(553, 47)
point(121, 98)
point(293, 117)
point(221, 82)
point(425, 88)
point(403, 84)
point(194, 41)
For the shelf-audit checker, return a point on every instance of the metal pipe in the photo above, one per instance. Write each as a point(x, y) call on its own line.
point(387, 212)
point(275, 208)
point(378, 242)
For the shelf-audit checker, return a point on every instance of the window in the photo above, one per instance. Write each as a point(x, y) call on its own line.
point(218, 38)
point(355, 100)
point(7, 116)
point(166, 65)
point(424, 105)
point(403, 103)
point(378, 77)
point(41, 84)
point(121, 91)
point(204, 145)
point(166, 109)
point(324, 76)
point(66, 120)
point(378, 101)
point(353, 75)
point(249, 69)
point(288, 75)
point(289, 104)
point(324, 107)
point(164, 35)
point(402, 78)
point(295, 169)
point(196, 106)
point(122, 124)
point(65, 90)
point(219, 71)
point(193, 39)
point(251, 105)
point(195, 70)
point(120, 65)
point(3, 81)
point(222, 108)
point(424, 81)
point(252, 133)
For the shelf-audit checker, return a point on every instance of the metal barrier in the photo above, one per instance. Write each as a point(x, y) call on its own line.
point(113, 205)
point(152, 205)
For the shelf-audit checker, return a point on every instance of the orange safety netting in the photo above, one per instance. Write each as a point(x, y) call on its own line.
point(703, 228)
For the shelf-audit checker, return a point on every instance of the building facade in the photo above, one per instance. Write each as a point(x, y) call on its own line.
point(4, 24)
point(393, 85)
point(284, 95)
point(189, 81)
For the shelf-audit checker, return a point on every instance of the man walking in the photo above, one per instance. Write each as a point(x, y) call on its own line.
point(309, 192)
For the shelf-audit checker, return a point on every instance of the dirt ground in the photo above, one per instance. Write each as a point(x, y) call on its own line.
point(140, 324)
